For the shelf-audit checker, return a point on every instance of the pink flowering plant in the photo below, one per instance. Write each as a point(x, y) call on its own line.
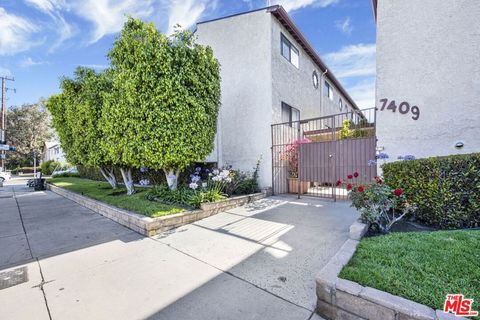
point(291, 156)
point(380, 205)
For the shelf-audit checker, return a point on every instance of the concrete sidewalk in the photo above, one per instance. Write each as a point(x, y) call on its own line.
point(254, 262)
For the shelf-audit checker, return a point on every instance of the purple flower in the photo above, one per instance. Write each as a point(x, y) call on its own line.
point(198, 169)
point(195, 179)
point(143, 169)
point(372, 163)
point(382, 155)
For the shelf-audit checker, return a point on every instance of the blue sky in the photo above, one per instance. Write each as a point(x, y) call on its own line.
point(43, 40)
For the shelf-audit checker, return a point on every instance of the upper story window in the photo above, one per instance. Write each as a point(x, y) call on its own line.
point(289, 51)
point(340, 104)
point(290, 114)
point(315, 79)
point(328, 90)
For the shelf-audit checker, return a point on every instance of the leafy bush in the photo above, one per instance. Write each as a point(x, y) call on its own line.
point(379, 205)
point(155, 177)
point(446, 190)
point(49, 166)
point(183, 195)
point(67, 175)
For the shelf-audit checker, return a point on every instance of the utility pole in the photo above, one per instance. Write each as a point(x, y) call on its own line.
point(4, 119)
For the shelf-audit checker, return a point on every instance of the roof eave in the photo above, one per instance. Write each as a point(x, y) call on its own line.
point(283, 17)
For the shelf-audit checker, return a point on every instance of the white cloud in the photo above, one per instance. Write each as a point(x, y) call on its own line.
point(5, 72)
point(363, 93)
point(47, 6)
point(344, 25)
point(291, 5)
point(16, 33)
point(355, 64)
point(95, 66)
point(353, 61)
point(108, 16)
point(53, 9)
point(184, 13)
point(29, 62)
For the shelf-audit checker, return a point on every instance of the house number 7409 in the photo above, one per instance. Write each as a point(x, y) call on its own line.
point(403, 108)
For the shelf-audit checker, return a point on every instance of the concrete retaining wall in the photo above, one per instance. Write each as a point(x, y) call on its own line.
point(343, 299)
point(152, 226)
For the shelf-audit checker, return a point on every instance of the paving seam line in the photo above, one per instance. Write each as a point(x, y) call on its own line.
point(233, 275)
point(21, 220)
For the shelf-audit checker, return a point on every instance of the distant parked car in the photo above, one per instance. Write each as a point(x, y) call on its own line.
point(5, 176)
point(70, 170)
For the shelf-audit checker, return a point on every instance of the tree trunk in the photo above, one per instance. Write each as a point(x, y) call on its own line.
point(127, 179)
point(109, 175)
point(172, 178)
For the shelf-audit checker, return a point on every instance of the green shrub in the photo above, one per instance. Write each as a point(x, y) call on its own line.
point(67, 175)
point(183, 195)
point(446, 190)
point(155, 177)
point(49, 166)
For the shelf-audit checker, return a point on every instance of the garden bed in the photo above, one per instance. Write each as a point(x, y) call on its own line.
point(400, 275)
point(102, 191)
point(167, 218)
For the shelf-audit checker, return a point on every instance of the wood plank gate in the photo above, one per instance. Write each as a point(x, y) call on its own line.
point(310, 156)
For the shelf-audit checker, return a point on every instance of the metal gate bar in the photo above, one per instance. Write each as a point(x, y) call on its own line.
point(310, 156)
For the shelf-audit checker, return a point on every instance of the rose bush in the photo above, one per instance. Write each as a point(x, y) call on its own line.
point(380, 205)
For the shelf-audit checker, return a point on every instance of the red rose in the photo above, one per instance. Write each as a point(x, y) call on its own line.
point(360, 189)
point(355, 174)
point(349, 176)
point(349, 186)
point(398, 192)
point(339, 182)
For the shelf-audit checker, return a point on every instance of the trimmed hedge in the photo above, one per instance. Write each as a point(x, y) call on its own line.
point(446, 190)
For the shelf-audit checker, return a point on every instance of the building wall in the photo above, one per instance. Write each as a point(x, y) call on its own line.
point(428, 54)
point(294, 86)
point(242, 44)
point(54, 153)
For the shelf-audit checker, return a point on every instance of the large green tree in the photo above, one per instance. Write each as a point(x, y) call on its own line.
point(28, 127)
point(76, 112)
point(162, 109)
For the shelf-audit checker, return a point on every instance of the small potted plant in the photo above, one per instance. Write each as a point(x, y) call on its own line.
point(290, 155)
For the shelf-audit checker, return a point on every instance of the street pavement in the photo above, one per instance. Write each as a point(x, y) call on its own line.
point(254, 262)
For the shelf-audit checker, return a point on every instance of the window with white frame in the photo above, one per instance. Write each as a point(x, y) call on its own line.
point(328, 90)
point(290, 114)
point(288, 50)
point(340, 104)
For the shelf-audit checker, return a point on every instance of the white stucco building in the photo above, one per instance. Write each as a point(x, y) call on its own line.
point(428, 77)
point(270, 74)
point(53, 151)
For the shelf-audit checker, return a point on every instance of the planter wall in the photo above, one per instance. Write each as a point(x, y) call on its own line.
point(343, 299)
point(294, 185)
point(152, 226)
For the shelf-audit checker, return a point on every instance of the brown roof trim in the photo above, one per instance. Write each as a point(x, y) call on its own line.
point(374, 6)
point(283, 17)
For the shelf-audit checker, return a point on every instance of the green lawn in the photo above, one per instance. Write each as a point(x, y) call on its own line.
point(103, 192)
point(420, 266)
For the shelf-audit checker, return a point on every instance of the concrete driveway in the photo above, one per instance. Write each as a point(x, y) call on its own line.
point(253, 262)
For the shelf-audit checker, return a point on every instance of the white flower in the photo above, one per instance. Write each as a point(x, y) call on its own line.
point(228, 179)
point(216, 172)
point(193, 186)
point(217, 178)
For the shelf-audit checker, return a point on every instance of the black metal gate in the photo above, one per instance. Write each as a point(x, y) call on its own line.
point(317, 156)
